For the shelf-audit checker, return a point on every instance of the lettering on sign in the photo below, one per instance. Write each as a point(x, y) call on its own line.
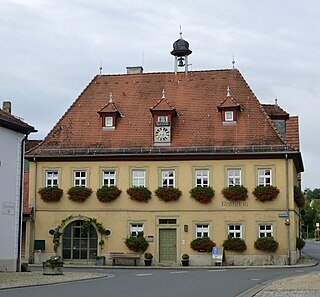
point(234, 203)
point(8, 208)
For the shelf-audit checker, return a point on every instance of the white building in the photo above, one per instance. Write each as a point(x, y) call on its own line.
point(13, 133)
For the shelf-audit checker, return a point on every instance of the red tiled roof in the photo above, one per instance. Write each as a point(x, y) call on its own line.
point(292, 129)
point(195, 98)
point(11, 122)
point(274, 111)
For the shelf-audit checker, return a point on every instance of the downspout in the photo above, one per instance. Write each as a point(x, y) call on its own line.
point(34, 208)
point(288, 214)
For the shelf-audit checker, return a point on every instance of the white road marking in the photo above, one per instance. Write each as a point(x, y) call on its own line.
point(299, 270)
point(143, 274)
point(256, 279)
point(217, 270)
point(178, 272)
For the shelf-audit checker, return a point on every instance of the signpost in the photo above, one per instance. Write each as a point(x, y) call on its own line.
point(217, 255)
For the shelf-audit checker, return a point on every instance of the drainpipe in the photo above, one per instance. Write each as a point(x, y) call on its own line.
point(34, 208)
point(18, 268)
point(288, 214)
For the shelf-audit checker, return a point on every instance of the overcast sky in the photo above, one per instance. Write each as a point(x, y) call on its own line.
point(51, 49)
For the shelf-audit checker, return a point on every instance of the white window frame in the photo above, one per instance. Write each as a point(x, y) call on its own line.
point(161, 120)
point(202, 178)
point(138, 178)
point(168, 178)
point(234, 176)
point(235, 230)
point(265, 230)
point(80, 178)
point(202, 230)
point(264, 177)
point(108, 176)
point(136, 228)
point(108, 122)
point(52, 178)
point(228, 116)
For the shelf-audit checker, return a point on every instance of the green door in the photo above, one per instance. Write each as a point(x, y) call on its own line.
point(168, 246)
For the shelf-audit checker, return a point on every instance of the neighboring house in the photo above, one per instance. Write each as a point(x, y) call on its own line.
point(172, 129)
point(13, 133)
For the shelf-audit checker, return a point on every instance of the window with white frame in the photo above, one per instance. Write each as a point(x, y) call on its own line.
point(80, 178)
point(228, 116)
point(202, 177)
point(162, 120)
point(234, 177)
point(202, 230)
point(52, 178)
point(109, 178)
point(136, 229)
point(138, 178)
point(168, 178)
point(265, 230)
point(235, 230)
point(108, 121)
point(264, 177)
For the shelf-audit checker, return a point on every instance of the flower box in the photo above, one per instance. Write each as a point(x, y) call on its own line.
point(235, 193)
point(141, 194)
point(79, 193)
point(202, 194)
point(203, 244)
point(267, 244)
point(234, 244)
point(265, 193)
point(137, 243)
point(50, 194)
point(108, 194)
point(168, 193)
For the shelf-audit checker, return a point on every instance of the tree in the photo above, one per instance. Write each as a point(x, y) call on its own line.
point(312, 194)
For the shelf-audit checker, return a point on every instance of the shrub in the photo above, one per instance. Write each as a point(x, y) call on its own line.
point(148, 256)
point(300, 244)
point(299, 198)
point(108, 194)
point(266, 244)
point(141, 194)
point(234, 244)
point(235, 193)
point(265, 193)
point(203, 244)
point(185, 257)
point(50, 194)
point(202, 194)
point(137, 243)
point(53, 261)
point(168, 193)
point(79, 193)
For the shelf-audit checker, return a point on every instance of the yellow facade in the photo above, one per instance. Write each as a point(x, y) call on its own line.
point(117, 215)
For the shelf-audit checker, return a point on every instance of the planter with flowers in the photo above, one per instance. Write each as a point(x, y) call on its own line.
point(148, 259)
point(234, 244)
point(185, 260)
point(79, 194)
point(108, 194)
point(168, 193)
point(299, 197)
point(141, 194)
point(235, 193)
point(49, 194)
point(53, 266)
point(202, 244)
point(202, 194)
point(137, 243)
point(265, 193)
point(267, 244)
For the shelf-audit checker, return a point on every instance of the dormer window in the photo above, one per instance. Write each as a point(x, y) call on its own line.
point(229, 109)
point(228, 116)
point(108, 122)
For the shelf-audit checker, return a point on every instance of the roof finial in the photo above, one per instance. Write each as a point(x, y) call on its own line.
point(180, 32)
point(233, 61)
point(163, 94)
point(276, 101)
point(228, 91)
point(100, 68)
point(110, 97)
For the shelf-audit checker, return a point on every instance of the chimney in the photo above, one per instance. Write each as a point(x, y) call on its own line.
point(6, 106)
point(134, 69)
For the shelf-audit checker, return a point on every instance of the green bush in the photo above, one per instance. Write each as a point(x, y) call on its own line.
point(202, 194)
point(299, 198)
point(108, 194)
point(49, 194)
point(265, 193)
point(203, 244)
point(235, 193)
point(137, 243)
point(141, 194)
point(168, 193)
point(234, 244)
point(266, 244)
point(300, 244)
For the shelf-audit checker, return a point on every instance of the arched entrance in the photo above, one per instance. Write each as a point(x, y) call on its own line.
point(77, 244)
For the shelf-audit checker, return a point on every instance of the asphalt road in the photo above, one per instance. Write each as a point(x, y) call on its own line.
point(168, 282)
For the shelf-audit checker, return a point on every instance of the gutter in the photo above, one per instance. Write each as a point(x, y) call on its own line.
point(287, 222)
point(34, 208)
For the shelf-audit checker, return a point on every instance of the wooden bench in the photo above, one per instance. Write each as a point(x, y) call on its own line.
point(122, 255)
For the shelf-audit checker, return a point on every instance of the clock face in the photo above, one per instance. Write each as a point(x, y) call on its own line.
point(162, 134)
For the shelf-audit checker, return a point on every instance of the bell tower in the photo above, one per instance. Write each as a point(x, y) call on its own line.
point(181, 52)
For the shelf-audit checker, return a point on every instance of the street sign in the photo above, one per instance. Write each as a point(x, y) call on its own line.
point(283, 215)
point(217, 254)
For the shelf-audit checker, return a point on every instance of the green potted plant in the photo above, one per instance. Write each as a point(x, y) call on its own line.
point(100, 260)
point(168, 193)
point(300, 244)
point(49, 194)
point(148, 259)
point(265, 193)
point(234, 244)
point(299, 197)
point(108, 194)
point(267, 244)
point(137, 243)
point(202, 194)
point(52, 266)
point(185, 260)
point(79, 193)
point(235, 193)
point(202, 244)
point(141, 194)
